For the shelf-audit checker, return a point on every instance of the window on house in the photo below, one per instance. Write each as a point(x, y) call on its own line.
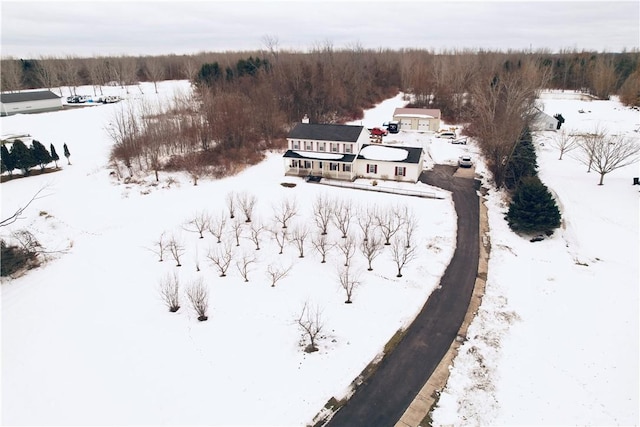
point(294, 163)
point(334, 166)
point(347, 148)
point(320, 165)
point(307, 164)
point(401, 171)
point(346, 168)
point(309, 146)
point(334, 147)
point(321, 146)
point(295, 145)
point(372, 168)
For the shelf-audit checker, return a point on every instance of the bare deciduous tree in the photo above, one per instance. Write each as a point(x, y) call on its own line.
point(255, 231)
point(409, 224)
point(236, 227)
point(221, 257)
point(389, 222)
point(176, 249)
point(285, 211)
point(217, 226)
point(170, 291)
point(275, 273)
point(322, 212)
point(348, 248)
point(564, 141)
point(160, 246)
point(322, 245)
point(371, 248)
point(401, 254)
point(298, 236)
point(231, 204)
point(247, 204)
point(198, 295)
point(605, 153)
point(281, 236)
point(199, 223)
point(347, 280)
point(342, 216)
point(365, 219)
point(310, 323)
point(244, 265)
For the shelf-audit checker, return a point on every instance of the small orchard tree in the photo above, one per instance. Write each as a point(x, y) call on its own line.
point(321, 244)
point(198, 295)
point(342, 214)
point(365, 222)
point(231, 204)
point(255, 231)
point(221, 258)
point(298, 236)
point(348, 248)
point(247, 204)
point(564, 142)
point(54, 155)
point(237, 227)
point(409, 225)
point(161, 246)
point(170, 291)
point(244, 265)
point(389, 222)
point(280, 236)
point(323, 212)
point(67, 153)
point(371, 248)
point(402, 253)
point(286, 210)
point(176, 249)
point(217, 226)
point(199, 223)
point(605, 153)
point(275, 273)
point(348, 280)
point(533, 208)
point(311, 324)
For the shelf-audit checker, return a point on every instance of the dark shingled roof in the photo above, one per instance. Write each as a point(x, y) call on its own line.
point(413, 155)
point(326, 132)
point(291, 154)
point(8, 98)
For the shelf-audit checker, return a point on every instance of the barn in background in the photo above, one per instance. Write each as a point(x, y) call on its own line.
point(29, 102)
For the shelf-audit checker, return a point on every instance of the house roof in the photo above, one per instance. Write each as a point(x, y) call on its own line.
point(11, 97)
point(413, 154)
point(427, 113)
point(326, 132)
point(311, 155)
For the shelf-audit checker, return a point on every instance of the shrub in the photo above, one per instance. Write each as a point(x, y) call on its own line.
point(15, 258)
point(533, 208)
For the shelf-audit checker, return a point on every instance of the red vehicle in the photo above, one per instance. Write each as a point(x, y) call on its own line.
point(379, 132)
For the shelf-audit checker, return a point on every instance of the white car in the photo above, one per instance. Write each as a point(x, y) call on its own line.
point(465, 161)
point(446, 135)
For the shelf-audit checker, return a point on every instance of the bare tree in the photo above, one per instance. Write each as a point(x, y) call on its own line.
point(322, 245)
point(342, 216)
point(176, 249)
point(605, 153)
point(217, 226)
point(236, 227)
point(199, 223)
point(348, 248)
point(160, 246)
point(281, 236)
point(244, 265)
point(365, 219)
point(389, 222)
point(198, 295)
point(170, 291)
point(18, 212)
point(371, 248)
point(347, 280)
point(221, 258)
point(409, 224)
point(298, 236)
point(275, 273)
point(402, 253)
point(310, 323)
point(247, 204)
point(322, 212)
point(255, 231)
point(155, 71)
point(564, 142)
point(285, 211)
point(231, 204)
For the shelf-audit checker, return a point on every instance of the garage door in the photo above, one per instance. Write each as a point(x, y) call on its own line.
point(405, 124)
point(423, 125)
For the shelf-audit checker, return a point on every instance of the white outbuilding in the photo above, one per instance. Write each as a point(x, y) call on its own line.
point(418, 119)
point(29, 102)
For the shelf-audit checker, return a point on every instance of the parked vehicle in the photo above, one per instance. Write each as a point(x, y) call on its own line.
point(446, 135)
point(462, 141)
point(379, 132)
point(393, 127)
point(465, 161)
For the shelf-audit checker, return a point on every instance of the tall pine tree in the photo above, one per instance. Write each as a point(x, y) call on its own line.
point(22, 156)
point(8, 164)
point(67, 154)
point(41, 155)
point(54, 155)
point(533, 208)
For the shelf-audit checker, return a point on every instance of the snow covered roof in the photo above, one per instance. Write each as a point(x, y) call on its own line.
point(326, 132)
point(390, 154)
point(314, 155)
point(39, 95)
point(427, 113)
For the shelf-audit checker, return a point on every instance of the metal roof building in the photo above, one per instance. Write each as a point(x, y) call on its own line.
point(29, 102)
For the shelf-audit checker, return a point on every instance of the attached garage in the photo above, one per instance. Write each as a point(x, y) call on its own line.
point(29, 102)
point(418, 119)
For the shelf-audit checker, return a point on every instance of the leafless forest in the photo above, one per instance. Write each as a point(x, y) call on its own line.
point(245, 102)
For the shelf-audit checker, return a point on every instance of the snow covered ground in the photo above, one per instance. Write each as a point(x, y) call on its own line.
point(87, 340)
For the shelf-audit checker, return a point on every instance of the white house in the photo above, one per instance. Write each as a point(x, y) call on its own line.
point(343, 152)
point(418, 119)
point(543, 121)
point(29, 102)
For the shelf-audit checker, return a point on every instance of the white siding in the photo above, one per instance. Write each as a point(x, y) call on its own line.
point(31, 106)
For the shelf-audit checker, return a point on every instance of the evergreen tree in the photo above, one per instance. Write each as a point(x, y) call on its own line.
point(41, 155)
point(533, 209)
point(8, 163)
point(22, 156)
point(54, 155)
point(67, 154)
point(523, 163)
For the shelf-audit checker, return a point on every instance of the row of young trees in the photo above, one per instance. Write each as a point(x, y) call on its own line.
point(24, 158)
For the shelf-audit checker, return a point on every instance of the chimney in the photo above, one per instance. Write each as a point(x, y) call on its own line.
point(305, 119)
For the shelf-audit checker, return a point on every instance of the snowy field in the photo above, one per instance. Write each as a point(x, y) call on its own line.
point(86, 339)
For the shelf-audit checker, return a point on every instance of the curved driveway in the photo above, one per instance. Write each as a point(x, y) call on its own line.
point(383, 398)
